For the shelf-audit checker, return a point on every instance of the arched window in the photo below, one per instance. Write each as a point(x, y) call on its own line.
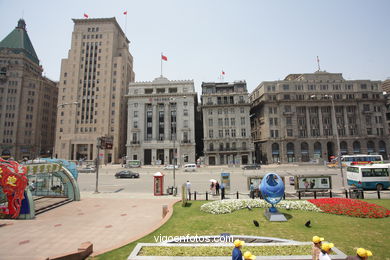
point(344, 147)
point(318, 149)
point(290, 152)
point(305, 152)
point(370, 147)
point(356, 147)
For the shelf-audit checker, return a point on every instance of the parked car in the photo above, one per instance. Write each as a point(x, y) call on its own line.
point(87, 169)
point(251, 167)
point(126, 174)
point(170, 167)
point(191, 167)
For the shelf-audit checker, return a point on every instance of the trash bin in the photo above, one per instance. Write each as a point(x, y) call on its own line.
point(174, 191)
point(170, 190)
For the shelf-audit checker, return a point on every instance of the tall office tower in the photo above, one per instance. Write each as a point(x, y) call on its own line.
point(162, 121)
point(226, 124)
point(92, 90)
point(28, 100)
point(300, 118)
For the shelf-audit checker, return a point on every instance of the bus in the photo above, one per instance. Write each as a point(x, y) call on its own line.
point(360, 159)
point(369, 177)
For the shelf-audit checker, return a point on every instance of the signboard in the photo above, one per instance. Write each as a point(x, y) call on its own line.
point(225, 180)
point(314, 183)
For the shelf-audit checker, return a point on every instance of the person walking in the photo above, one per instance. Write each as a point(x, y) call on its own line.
point(237, 254)
point(326, 248)
point(212, 185)
point(316, 248)
point(188, 186)
point(252, 191)
point(361, 254)
point(222, 186)
point(217, 188)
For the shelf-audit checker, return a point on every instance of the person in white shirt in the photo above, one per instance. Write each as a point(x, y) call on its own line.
point(188, 186)
point(326, 248)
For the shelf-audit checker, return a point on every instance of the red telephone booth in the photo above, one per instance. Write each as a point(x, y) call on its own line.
point(158, 184)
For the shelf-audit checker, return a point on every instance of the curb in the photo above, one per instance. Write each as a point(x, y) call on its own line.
point(154, 228)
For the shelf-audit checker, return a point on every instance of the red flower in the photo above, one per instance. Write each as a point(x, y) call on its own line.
point(351, 207)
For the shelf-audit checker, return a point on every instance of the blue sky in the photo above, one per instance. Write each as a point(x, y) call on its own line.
point(250, 40)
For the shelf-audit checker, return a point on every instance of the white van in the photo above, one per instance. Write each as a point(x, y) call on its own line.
point(191, 167)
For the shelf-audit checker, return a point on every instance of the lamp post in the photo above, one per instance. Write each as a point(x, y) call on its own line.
point(62, 106)
point(335, 129)
point(334, 123)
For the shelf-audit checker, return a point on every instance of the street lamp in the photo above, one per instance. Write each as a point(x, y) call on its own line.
point(334, 126)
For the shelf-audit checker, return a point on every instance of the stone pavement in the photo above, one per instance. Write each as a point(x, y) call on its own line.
point(107, 220)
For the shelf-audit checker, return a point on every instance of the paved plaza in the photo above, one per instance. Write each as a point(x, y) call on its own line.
point(123, 210)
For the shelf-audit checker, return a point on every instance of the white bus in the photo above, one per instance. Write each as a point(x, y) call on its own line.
point(360, 159)
point(369, 177)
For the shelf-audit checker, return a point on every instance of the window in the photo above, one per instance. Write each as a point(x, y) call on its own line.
point(186, 123)
point(226, 121)
point(289, 132)
point(233, 132)
point(286, 97)
point(135, 124)
point(135, 113)
point(232, 121)
point(219, 111)
point(242, 120)
point(286, 87)
point(220, 133)
point(210, 122)
point(227, 132)
point(288, 121)
point(242, 110)
point(366, 107)
point(243, 132)
point(363, 86)
point(211, 133)
point(287, 109)
point(220, 122)
point(185, 112)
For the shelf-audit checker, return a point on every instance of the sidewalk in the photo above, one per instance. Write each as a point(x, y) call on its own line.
point(106, 220)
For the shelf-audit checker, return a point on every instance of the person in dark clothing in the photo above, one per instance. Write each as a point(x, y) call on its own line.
point(237, 254)
point(217, 188)
point(222, 191)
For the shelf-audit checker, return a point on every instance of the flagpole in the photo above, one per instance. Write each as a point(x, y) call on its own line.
point(126, 23)
point(161, 64)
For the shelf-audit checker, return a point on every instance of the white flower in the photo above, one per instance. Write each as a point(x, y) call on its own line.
point(228, 206)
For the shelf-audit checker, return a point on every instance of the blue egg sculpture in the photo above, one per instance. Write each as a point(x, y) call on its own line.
point(272, 189)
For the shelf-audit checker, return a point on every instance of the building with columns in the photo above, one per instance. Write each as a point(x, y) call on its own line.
point(226, 123)
point(28, 100)
point(161, 121)
point(92, 88)
point(294, 121)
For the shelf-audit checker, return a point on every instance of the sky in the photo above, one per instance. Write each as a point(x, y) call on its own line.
point(250, 40)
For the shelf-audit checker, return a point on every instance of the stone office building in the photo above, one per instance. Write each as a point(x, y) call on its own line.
point(226, 124)
point(293, 119)
point(28, 100)
point(161, 121)
point(92, 88)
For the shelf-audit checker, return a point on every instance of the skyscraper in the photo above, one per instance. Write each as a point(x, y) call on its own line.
point(28, 100)
point(92, 91)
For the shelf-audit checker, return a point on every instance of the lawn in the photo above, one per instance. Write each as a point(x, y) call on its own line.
point(345, 232)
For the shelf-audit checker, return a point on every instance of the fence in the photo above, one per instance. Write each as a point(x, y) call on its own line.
point(352, 194)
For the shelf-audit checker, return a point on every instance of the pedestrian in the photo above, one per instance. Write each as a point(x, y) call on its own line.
point(212, 188)
point(361, 254)
point(222, 186)
point(248, 256)
point(188, 186)
point(316, 248)
point(237, 254)
point(326, 248)
point(217, 188)
point(252, 190)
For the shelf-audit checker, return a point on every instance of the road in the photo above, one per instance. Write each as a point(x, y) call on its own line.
point(199, 179)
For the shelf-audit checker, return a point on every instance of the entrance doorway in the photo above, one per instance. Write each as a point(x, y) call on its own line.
point(330, 148)
point(160, 156)
point(147, 157)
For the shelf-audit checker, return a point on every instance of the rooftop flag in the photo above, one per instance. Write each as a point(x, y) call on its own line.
point(164, 57)
point(86, 16)
point(125, 12)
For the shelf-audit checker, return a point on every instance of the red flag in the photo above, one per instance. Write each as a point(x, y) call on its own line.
point(86, 15)
point(223, 72)
point(125, 12)
point(164, 57)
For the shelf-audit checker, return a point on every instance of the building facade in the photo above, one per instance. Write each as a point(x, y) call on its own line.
point(161, 122)
point(295, 119)
point(226, 123)
point(92, 90)
point(386, 93)
point(28, 100)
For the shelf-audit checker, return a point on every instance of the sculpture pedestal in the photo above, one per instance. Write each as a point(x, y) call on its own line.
point(274, 216)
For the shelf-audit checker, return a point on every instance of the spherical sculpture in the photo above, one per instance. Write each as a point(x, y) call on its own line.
point(272, 189)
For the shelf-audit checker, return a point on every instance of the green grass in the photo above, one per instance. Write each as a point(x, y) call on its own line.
point(223, 251)
point(347, 233)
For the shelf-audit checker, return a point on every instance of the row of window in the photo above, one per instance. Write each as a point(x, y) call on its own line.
point(226, 120)
point(287, 87)
point(309, 96)
point(227, 146)
point(227, 133)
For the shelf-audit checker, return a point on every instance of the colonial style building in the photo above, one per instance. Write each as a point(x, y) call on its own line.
point(92, 90)
point(28, 100)
point(226, 123)
point(295, 119)
point(161, 121)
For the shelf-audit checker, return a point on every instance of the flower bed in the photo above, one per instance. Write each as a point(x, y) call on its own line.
point(228, 206)
point(351, 207)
